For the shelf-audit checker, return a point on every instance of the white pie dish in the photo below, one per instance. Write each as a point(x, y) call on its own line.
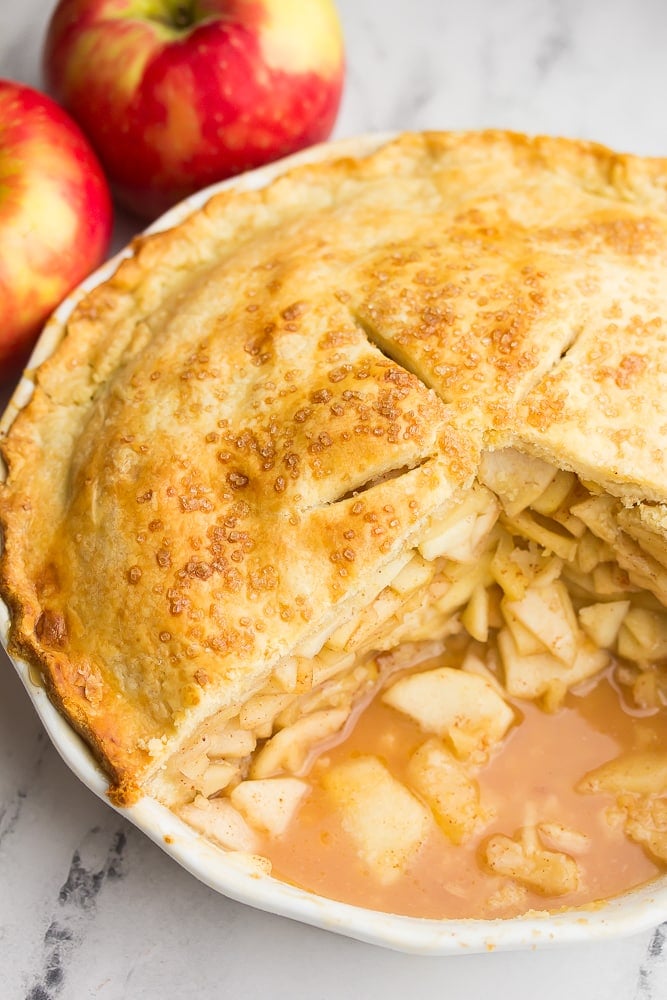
point(630, 913)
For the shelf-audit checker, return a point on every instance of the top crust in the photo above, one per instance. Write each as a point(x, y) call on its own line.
point(266, 404)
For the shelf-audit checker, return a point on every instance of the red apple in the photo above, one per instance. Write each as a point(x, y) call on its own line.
point(55, 215)
point(177, 94)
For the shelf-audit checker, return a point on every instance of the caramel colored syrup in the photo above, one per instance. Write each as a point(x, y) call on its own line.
point(531, 778)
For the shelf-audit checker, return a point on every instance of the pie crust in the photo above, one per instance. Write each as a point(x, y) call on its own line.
point(249, 425)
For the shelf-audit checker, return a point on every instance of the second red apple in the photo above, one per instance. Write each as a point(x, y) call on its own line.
point(55, 216)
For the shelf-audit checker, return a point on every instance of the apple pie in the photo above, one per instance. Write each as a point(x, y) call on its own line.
point(379, 448)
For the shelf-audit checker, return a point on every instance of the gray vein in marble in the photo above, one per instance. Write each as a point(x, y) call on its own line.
point(556, 42)
point(10, 812)
point(76, 904)
point(82, 885)
point(373, 39)
point(653, 970)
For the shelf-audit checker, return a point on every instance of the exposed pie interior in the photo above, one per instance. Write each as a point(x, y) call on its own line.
point(388, 437)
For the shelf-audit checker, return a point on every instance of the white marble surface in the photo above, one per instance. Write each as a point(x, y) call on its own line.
point(88, 906)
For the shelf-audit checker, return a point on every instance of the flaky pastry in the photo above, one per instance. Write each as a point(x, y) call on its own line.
point(272, 412)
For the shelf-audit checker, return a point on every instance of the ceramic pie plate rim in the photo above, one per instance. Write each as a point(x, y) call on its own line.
point(630, 913)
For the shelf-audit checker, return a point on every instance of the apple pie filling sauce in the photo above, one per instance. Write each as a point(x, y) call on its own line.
point(529, 792)
point(487, 736)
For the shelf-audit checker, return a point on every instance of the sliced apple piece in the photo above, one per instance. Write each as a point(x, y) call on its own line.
point(643, 635)
point(217, 776)
point(554, 496)
point(603, 620)
point(475, 617)
point(557, 837)
point(529, 525)
point(329, 663)
point(285, 675)
point(474, 664)
point(461, 707)
point(549, 873)
point(513, 568)
point(385, 821)
point(374, 618)
point(269, 804)
point(516, 478)
point(639, 782)
point(527, 643)
point(413, 576)
point(591, 551)
point(453, 795)
point(218, 820)
point(456, 584)
point(646, 824)
point(258, 713)
point(547, 612)
point(192, 763)
point(459, 534)
point(361, 629)
point(649, 687)
point(642, 773)
point(228, 741)
point(542, 675)
point(647, 523)
point(339, 639)
point(288, 749)
point(600, 514)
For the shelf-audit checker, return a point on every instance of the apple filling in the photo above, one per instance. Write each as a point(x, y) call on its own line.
point(534, 588)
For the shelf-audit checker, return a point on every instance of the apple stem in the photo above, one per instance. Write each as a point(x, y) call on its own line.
point(182, 15)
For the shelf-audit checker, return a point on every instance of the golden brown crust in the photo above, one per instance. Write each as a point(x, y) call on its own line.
point(180, 509)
